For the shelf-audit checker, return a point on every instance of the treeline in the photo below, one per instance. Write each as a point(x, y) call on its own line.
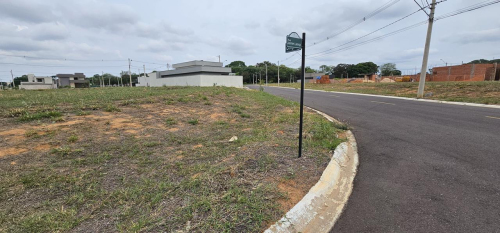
point(288, 74)
point(484, 61)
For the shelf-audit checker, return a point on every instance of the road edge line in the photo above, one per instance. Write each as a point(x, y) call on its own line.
point(407, 98)
point(321, 207)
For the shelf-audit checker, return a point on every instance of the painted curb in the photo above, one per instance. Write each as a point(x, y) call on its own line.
point(406, 98)
point(322, 206)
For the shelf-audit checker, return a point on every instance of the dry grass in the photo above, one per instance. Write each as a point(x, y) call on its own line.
point(141, 163)
point(473, 92)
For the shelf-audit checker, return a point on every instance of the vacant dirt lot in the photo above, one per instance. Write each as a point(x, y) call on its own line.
point(154, 159)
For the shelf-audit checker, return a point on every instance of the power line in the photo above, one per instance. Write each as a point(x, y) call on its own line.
point(377, 11)
point(368, 33)
point(41, 65)
point(467, 9)
point(58, 59)
point(451, 14)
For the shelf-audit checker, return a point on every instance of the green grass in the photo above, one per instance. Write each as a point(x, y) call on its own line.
point(170, 121)
point(193, 122)
point(191, 180)
point(473, 92)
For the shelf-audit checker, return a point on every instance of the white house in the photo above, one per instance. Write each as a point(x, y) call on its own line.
point(37, 83)
point(193, 73)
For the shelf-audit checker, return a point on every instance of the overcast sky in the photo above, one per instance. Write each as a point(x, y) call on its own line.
point(161, 32)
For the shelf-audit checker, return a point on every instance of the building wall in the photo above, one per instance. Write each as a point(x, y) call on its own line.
point(37, 86)
point(63, 82)
point(192, 80)
point(466, 72)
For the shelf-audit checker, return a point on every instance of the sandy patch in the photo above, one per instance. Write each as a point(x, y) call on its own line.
point(43, 147)
point(172, 130)
point(295, 194)
point(13, 132)
point(197, 146)
point(11, 151)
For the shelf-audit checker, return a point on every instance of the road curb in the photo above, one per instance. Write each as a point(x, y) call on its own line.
point(406, 98)
point(322, 206)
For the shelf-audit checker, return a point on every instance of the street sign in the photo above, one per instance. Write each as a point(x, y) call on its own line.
point(293, 43)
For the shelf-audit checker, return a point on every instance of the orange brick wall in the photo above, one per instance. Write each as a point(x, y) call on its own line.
point(466, 72)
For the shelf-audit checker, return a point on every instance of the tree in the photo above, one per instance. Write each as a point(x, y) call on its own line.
point(327, 69)
point(389, 69)
point(366, 68)
point(342, 70)
point(310, 70)
point(18, 80)
point(236, 64)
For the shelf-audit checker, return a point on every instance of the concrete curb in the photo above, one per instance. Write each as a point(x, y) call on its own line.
point(411, 99)
point(320, 208)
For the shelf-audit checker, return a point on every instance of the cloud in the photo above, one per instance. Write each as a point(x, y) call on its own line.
point(233, 45)
point(26, 11)
point(101, 15)
point(20, 28)
point(155, 46)
point(483, 36)
point(252, 25)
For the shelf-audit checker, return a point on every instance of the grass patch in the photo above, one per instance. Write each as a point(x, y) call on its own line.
point(73, 139)
point(473, 92)
point(131, 172)
point(170, 121)
point(193, 122)
point(38, 116)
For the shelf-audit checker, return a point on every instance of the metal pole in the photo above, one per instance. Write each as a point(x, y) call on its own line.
point(144, 66)
point(495, 74)
point(266, 74)
point(278, 73)
point(423, 73)
point(13, 83)
point(129, 73)
point(302, 91)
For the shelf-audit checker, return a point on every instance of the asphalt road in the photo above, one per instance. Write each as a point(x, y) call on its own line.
point(424, 167)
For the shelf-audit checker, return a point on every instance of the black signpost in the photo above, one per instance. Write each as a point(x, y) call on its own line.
point(295, 43)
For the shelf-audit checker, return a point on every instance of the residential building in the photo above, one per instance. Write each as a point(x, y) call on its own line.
point(193, 73)
point(38, 83)
point(311, 77)
point(76, 80)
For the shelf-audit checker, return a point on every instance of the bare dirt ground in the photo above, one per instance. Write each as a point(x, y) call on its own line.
point(164, 164)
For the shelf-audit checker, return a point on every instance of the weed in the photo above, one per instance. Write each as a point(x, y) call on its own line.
point(82, 113)
point(151, 144)
point(31, 133)
point(38, 116)
point(111, 108)
point(193, 122)
point(73, 139)
point(170, 121)
point(65, 150)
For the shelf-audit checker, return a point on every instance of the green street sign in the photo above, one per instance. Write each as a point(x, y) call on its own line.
point(293, 42)
point(289, 49)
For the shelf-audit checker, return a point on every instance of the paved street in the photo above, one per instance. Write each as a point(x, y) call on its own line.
point(424, 167)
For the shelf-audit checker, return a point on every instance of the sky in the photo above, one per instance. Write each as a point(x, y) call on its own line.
point(47, 37)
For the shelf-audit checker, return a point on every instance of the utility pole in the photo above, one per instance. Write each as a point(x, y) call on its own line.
point(129, 73)
point(13, 83)
point(219, 58)
point(423, 73)
point(266, 74)
point(144, 66)
point(278, 73)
